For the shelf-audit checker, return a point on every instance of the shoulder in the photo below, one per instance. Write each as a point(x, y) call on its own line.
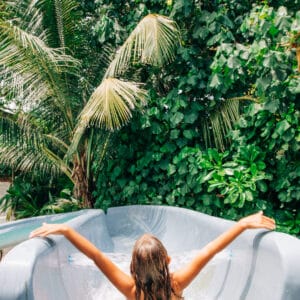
point(132, 294)
point(176, 286)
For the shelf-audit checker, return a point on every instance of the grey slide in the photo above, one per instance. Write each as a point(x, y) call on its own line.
point(258, 265)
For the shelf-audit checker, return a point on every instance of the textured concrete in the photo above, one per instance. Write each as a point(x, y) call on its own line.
point(4, 185)
point(3, 188)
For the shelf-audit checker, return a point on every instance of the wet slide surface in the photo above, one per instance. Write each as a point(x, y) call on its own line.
point(259, 265)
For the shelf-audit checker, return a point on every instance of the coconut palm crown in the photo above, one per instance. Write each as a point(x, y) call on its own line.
point(47, 126)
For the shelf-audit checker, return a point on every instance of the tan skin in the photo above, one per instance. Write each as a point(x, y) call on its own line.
point(179, 279)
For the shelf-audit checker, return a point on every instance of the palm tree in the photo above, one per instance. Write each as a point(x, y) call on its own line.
point(48, 125)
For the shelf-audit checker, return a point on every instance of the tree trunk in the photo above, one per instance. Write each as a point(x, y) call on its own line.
point(81, 186)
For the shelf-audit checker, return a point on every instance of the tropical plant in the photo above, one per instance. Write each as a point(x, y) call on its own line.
point(237, 50)
point(49, 125)
point(29, 197)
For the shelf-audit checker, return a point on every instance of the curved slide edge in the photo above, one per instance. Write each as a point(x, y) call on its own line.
point(18, 268)
point(263, 265)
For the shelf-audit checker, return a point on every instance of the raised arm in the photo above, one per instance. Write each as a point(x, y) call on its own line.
point(184, 276)
point(123, 282)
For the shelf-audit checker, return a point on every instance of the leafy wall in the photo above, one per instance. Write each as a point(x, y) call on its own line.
point(221, 131)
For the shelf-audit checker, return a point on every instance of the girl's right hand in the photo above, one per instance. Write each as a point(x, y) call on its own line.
point(47, 229)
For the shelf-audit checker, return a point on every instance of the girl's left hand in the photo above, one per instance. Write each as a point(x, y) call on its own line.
point(47, 229)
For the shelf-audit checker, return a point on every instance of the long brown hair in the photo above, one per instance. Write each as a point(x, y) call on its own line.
point(150, 270)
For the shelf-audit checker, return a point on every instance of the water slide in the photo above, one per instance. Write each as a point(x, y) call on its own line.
point(259, 265)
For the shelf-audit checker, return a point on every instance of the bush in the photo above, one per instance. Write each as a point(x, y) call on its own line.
point(231, 50)
point(28, 198)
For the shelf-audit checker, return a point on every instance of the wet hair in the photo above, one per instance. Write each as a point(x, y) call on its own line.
point(149, 269)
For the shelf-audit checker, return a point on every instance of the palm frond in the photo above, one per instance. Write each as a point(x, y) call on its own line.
point(60, 143)
point(7, 115)
point(26, 160)
point(110, 107)
point(29, 66)
point(42, 121)
point(216, 127)
point(26, 147)
point(58, 162)
point(64, 20)
point(34, 22)
point(49, 119)
point(9, 129)
point(112, 103)
point(245, 98)
point(3, 11)
point(153, 41)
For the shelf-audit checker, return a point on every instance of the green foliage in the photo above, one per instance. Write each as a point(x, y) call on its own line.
point(220, 133)
point(5, 172)
point(236, 181)
point(64, 202)
point(208, 181)
point(265, 68)
point(57, 112)
point(27, 198)
point(278, 135)
point(152, 179)
point(161, 158)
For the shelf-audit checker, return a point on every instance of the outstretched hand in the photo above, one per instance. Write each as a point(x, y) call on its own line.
point(258, 220)
point(47, 229)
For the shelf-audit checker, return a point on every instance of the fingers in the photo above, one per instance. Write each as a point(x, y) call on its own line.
point(270, 223)
point(47, 229)
point(267, 222)
point(37, 232)
point(259, 220)
point(41, 231)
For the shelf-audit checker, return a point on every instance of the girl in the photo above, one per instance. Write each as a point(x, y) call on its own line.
point(150, 277)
